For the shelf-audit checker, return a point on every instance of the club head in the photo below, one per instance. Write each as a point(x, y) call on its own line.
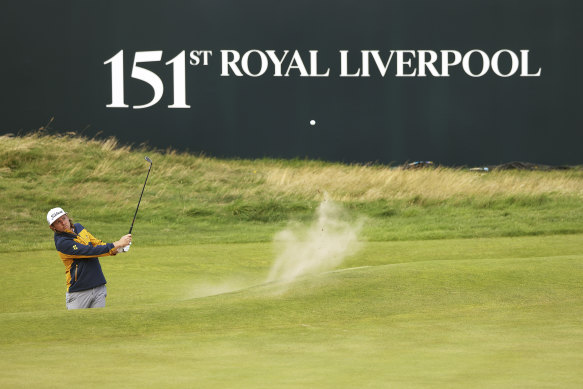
point(148, 159)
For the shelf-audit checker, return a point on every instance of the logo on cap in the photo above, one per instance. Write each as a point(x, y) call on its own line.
point(54, 214)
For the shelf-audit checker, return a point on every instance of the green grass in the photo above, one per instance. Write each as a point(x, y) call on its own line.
point(463, 280)
point(497, 312)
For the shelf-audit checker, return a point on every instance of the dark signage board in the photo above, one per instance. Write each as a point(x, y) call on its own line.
point(456, 82)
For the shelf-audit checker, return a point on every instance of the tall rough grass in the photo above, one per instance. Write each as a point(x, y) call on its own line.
point(366, 183)
point(101, 179)
point(77, 160)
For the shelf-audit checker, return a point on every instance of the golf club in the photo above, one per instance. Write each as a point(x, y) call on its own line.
point(127, 248)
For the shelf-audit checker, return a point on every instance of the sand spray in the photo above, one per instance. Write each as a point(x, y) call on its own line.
point(303, 249)
point(315, 248)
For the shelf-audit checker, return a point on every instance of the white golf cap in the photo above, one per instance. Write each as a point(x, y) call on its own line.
point(54, 214)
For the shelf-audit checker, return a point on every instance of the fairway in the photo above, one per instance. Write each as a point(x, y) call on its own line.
point(497, 312)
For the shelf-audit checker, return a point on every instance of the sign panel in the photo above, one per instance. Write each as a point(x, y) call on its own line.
point(455, 82)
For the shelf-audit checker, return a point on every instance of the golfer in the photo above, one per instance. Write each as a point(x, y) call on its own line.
point(79, 251)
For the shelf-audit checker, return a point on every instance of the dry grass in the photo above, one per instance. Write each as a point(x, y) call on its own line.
point(364, 183)
point(60, 158)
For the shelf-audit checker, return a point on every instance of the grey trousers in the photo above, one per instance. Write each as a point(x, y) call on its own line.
point(90, 298)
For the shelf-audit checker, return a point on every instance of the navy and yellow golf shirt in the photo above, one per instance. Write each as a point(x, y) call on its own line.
point(79, 251)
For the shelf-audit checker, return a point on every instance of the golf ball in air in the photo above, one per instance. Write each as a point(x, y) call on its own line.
point(312, 122)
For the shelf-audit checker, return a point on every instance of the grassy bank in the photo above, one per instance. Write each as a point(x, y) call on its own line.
point(192, 198)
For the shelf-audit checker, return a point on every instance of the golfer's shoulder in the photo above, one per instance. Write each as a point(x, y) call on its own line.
point(63, 241)
point(78, 227)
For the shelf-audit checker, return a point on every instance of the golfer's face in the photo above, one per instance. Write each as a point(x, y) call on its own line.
point(62, 224)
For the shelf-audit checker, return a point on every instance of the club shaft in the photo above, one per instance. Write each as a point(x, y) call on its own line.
point(140, 200)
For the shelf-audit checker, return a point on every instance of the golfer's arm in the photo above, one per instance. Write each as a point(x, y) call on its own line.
point(73, 249)
point(94, 240)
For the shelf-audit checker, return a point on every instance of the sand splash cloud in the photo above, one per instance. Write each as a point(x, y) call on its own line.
point(318, 247)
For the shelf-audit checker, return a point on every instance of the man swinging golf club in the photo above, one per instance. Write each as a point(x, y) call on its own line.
point(79, 251)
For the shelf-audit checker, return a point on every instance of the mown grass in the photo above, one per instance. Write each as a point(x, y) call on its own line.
point(99, 182)
point(489, 313)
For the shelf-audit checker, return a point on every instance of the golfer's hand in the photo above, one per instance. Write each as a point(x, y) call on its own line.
point(124, 241)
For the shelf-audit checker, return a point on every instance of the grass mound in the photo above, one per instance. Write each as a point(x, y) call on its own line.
point(212, 200)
